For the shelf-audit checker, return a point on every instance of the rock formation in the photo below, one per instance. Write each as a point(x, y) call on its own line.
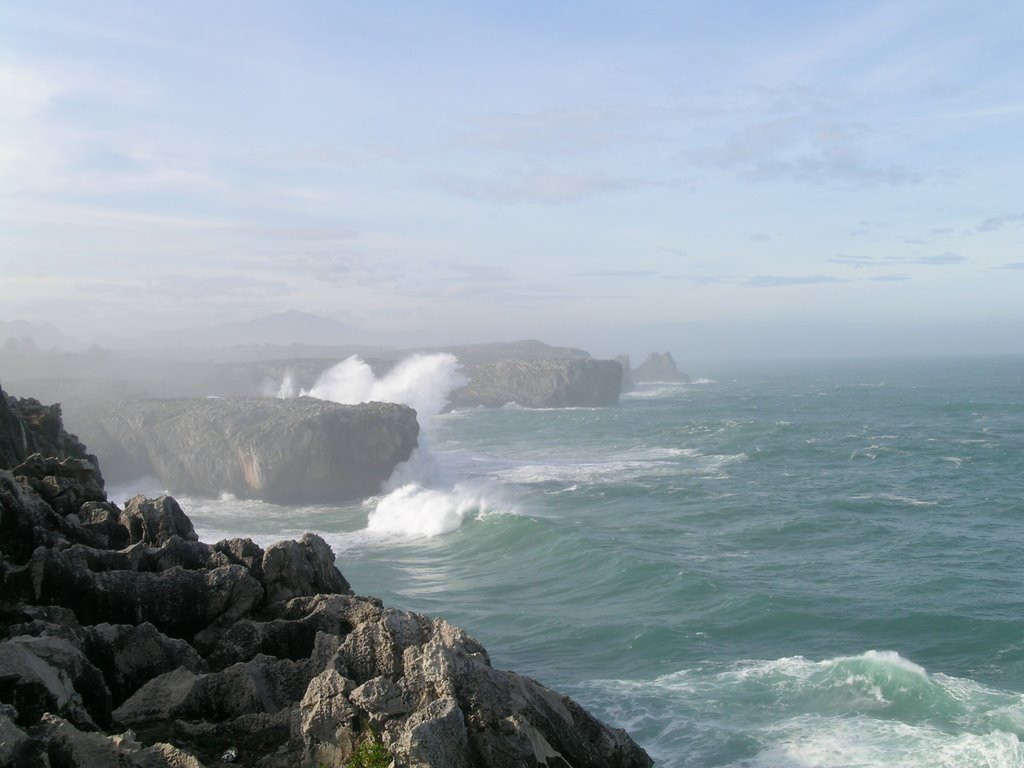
point(658, 367)
point(126, 641)
point(300, 449)
point(553, 383)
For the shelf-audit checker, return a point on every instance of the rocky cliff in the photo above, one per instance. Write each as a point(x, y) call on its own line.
point(658, 367)
point(553, 383)
point(126, 641)
point(301, 449)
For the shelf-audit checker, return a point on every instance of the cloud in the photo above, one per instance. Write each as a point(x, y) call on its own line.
point(593, 127)
point(889, 278)
point(998, 222)
point(776, 281)
point(482, 272)
point(535, 186)
point(620, 273)
point(1012, 265)
point(936, 259)
point(802, 147)
point(857, 262)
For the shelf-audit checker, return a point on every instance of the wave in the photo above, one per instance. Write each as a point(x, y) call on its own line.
point(873, 710)
point(414, 510)
point(421, 381)
point(420, 498)
point(655, 390)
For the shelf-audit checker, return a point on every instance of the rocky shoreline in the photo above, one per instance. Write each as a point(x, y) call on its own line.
point(126, 641)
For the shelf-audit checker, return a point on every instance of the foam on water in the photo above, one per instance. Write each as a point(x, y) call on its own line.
point(874, 710)
point(415, 510)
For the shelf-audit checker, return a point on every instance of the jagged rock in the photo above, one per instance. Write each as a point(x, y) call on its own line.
point(434, 736)
point(299, 449)
point(27, 426)
point(129, 656)
point(300, 568)
point(50, 674)
point(326, 719)
point(554, 383)
point(242, 552)
point(154, 521)
point(13, 740)
point(72, 747)
point(658, 367)
point(65, 484)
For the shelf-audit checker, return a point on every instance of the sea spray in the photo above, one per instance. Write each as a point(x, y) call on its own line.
point(421, 497)
point(415, 510)
point(421, 381)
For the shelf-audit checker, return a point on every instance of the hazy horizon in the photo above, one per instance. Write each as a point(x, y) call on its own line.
point(726, 182)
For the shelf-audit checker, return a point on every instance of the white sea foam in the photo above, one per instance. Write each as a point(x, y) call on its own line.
point(421, 498)
point(893, 498)
point(415, 510)
point(421, 381)
point(877, 709)
point(655, 390)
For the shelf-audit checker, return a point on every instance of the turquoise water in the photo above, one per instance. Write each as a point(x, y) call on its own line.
point(786, 565)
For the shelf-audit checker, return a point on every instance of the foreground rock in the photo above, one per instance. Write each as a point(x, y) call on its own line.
point(126, 641)
point(553, 383)
point(301, 449)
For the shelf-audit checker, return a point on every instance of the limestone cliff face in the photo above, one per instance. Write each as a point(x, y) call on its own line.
point(300, 449)
point(557, 383)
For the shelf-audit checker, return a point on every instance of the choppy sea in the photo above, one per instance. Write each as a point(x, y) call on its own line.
point(775, 566)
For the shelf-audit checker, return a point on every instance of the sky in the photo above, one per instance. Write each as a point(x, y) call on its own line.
point(728, 179)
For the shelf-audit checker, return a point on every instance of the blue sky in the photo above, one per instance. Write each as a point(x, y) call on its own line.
point(719, 179)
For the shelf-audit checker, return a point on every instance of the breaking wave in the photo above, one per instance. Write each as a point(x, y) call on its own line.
point(423, 382)
point(421, 497)
point(875, 710)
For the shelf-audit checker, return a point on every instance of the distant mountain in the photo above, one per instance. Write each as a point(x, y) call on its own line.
point(43, 336)
point(283, 328)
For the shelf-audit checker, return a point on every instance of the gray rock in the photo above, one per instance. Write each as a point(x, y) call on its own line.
point(77, 748)
point(129, 656)
point(155, 521)
point(326, 719)
point(13, 741)
point(301, 568)
point(658, 367)
point(50, 674)
point(300, 449)
point(435, 736)
point(552, 383)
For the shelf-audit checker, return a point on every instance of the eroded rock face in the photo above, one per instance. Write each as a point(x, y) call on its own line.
point(300, 449)
point(171, 652)
point(555, 383)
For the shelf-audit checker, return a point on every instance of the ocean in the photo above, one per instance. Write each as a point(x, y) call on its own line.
point(780, 565)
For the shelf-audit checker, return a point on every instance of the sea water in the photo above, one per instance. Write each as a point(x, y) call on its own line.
point(784, 566)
